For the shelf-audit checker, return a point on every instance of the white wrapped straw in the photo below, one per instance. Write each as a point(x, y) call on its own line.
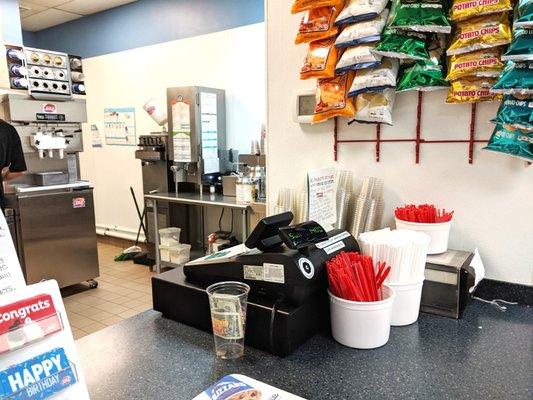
point(404, 251)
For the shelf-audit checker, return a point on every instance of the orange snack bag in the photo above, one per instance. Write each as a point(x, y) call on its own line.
point(304, 5)
point(318, 24)
point(321, 60)
point(332, 98)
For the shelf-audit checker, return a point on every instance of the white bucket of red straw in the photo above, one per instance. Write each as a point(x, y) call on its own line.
point(360, 305)
point(426, 218)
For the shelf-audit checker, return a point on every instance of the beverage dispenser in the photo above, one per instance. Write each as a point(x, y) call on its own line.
point(197, 130)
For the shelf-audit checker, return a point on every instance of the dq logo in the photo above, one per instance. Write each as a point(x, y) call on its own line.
point(78, 202)
point(49, 108)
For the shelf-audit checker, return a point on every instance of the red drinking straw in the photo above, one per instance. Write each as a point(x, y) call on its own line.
point(424, 213)
point(352, 277)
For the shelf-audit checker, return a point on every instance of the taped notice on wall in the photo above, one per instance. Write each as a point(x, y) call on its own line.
point(11, 278)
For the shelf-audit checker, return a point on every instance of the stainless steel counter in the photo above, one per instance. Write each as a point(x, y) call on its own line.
point(201, 200)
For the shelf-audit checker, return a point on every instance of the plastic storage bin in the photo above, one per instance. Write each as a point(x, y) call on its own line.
point(362, 325)
point(164, 253)
point(169, 236)
point(439, 233)
point(180, 254)
point(406, 304)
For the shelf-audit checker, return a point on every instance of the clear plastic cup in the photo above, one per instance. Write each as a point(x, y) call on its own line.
point(228, 302)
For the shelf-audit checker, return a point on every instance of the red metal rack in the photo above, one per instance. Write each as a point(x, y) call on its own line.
point(417, 140)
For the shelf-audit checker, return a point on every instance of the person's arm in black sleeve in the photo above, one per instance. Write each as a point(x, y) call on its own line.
point(17, 163)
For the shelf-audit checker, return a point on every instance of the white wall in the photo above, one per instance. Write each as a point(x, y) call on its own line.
point(233, 60)
point(493, 198)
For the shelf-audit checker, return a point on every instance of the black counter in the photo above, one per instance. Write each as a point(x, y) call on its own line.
point(485, 355)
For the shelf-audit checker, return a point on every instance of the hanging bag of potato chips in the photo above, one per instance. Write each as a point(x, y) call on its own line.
point(363, 32)
point(332, 98)
point(404, 46)
point(524, 14)
point(305, 5)
point(516, 111)
point(512, 141)
point(321, 59)
point(464, 9)
point(471, 90)
point(481, 63)
point(421, 75)
point(375, 79)
point(480, 33)
point(521, 48)
point(360, 10)
point(317, 24)
point(358, 57)
point(516, 78)
point(418, 17)
point(374, 108)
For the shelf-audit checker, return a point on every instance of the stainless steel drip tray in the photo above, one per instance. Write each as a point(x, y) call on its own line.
point(23, 189)
point(51, 178)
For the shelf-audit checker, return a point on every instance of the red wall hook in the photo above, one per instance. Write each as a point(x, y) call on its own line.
point(417, 140)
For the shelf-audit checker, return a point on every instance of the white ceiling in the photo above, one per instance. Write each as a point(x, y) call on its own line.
point(42, 14)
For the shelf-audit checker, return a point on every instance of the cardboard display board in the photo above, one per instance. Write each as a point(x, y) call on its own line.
point(38, 357)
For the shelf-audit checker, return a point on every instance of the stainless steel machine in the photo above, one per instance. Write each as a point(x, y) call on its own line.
point(157, 178)
point(51, 211)
point(197, 128)
point(191, 157)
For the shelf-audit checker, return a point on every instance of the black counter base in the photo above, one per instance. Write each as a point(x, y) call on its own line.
point(276, 327)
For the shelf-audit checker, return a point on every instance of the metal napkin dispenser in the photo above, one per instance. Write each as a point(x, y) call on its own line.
point(449, 276)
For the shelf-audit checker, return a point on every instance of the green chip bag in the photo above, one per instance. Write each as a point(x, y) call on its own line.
point(421, 75)
point(516, 112)
point(524, 14)
point(403, 45)
point(418, 17)
point(511, 141)
point(516, 78)
point(521, 48)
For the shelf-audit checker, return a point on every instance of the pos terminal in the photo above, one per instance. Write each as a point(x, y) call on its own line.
point(285, 267)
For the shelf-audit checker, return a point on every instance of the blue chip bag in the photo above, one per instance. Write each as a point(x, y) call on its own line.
point(521, 48)
point(512, 141)
point(524, 14)
point(516, 112)
point(516, 78)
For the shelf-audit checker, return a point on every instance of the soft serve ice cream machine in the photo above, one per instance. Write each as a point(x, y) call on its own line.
point(50, 209)
point(50, 133)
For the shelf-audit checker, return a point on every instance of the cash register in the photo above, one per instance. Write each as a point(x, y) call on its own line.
point(285, 267)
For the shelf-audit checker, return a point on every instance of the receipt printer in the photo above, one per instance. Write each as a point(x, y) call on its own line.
point(285, 267)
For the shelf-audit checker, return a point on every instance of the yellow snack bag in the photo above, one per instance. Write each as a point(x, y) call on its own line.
point(321, 60)
point(332, 98)
point(304, 5)
point(481, 63)
point(318, 24)
point(472, 90)
point(480, 33)
point(463, 9)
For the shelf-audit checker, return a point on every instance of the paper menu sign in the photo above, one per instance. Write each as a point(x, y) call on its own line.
point(322, 204)
point(181, 131)
point(242, 387)
point(11, 278)
point(47, 364)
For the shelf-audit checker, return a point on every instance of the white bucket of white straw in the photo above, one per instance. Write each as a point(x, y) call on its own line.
point(406, 304)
